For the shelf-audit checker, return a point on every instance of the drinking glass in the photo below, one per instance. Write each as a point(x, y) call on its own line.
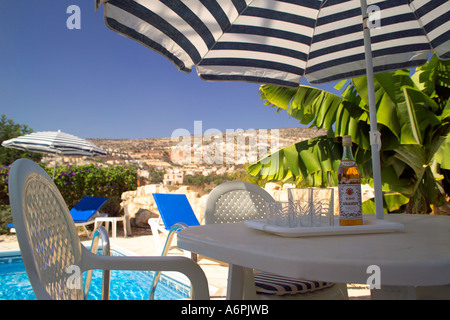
point(282, 213)
point(323, 202)
point(316, 206)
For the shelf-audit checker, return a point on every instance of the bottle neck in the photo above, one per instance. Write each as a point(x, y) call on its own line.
point(347, 154)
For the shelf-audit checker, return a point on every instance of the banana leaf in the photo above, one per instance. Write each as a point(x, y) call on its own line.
point(413, 115)
point(315, 161)
point(392, 202)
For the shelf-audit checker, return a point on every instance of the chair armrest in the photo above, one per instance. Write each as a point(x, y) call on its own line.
point(183, 265)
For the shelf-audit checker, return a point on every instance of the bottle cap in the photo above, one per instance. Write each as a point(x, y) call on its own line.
point(347, 141)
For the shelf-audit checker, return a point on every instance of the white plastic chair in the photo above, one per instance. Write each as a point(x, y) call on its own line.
point(50, 246)
point(237, 201)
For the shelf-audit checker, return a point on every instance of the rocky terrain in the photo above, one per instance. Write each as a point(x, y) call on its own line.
point(164, 152)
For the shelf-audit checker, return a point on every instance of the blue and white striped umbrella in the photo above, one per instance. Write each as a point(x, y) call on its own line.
point(279, 42)
point(54, 142)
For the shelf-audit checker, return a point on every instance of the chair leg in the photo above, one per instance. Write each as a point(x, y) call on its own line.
point(191, 255)
point(235, 286)
point(154, 227)
point(114, 229)
point(124, 223)
point(86, 231)
point(249, 290)
point(107, 226)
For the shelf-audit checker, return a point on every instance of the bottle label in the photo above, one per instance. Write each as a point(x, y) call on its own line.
point(350, 201)
point(348, 163)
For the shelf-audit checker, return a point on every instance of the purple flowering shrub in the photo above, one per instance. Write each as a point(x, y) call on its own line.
point(75, 182)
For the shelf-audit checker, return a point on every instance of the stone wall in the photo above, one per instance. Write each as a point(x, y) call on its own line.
point(141, 206)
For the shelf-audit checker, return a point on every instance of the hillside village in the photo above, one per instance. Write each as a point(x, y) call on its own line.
point(178, 157)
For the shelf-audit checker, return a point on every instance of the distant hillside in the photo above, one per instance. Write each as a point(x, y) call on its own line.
point(158, 151)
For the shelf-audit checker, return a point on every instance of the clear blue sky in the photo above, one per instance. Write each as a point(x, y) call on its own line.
point(95, 83)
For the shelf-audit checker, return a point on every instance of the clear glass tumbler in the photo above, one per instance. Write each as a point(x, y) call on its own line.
point(316, 206)
point(282, 214)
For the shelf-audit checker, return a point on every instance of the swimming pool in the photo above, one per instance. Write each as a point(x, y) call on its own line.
point(125, 285)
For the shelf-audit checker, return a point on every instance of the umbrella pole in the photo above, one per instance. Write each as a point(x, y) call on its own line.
point(375, 141)
point(54, 167)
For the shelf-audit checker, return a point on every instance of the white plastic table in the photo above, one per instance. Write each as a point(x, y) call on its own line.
point(113, 221)
point(417, 256)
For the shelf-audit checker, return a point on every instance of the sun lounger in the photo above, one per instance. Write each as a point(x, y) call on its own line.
point(84, 212)
point(173, 208)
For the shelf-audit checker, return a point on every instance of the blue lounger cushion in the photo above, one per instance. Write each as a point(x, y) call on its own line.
point(273, 284)
point(86, 208)
point(175, 208)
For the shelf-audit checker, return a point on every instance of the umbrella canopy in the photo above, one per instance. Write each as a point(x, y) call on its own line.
point(279, 42)
point(54, 142)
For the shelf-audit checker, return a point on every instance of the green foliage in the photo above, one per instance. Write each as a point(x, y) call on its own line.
point(306, 162)
point(208, 180)
point(9, 130)
point(413, 115)
point(75, 182)
point(4, 196)
point(212, 180)
point(5, 218)
point(156, 176)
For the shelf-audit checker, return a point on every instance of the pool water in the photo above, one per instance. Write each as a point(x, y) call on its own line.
point(125, 285)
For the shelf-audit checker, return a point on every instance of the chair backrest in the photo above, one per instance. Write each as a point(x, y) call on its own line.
point(47, 236)
point(86, 208)
point(236, 201)
point(174, 208)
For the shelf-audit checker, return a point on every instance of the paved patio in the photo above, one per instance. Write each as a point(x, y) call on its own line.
point(141, 243)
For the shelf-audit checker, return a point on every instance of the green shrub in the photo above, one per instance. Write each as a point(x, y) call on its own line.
point(5, 218)
point(75, 182)
point(4, 196)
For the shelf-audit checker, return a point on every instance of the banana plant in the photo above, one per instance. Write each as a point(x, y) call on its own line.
point(413, 114)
